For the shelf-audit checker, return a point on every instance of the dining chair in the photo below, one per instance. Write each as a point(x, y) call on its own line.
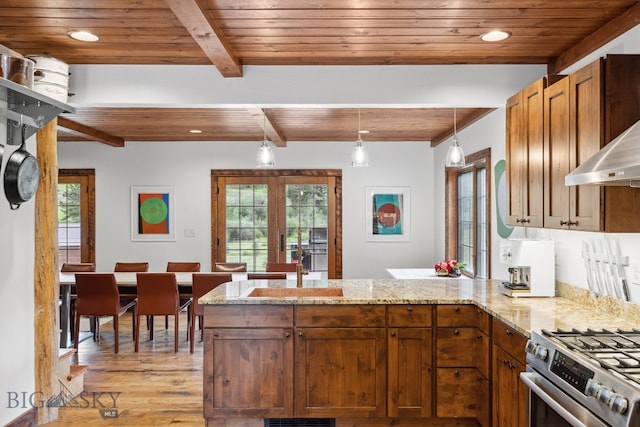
point(98, 296)
point(281, 266)
point(230, 267)
point(158, 296)
point(181, 267)
point(203, 283)
point(76, 267)
point(184, 267)
point(130, 267)
point(265, 276)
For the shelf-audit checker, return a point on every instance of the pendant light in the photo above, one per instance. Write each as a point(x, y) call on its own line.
point(455, 155)
point(359, 155)
point(264, 157)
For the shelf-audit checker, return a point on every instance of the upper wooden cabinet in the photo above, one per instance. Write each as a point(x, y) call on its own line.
point(524, 155)
point(581, 114)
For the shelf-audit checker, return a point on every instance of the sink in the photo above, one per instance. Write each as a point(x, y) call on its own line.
point(296, 293)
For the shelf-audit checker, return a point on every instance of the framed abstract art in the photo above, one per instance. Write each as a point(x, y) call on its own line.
point(388, 216)
point(153, 214)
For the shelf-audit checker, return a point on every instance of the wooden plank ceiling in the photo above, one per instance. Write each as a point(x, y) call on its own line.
point(231, 33)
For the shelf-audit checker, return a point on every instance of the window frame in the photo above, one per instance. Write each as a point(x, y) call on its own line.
point(86, 179)
point(473, 162)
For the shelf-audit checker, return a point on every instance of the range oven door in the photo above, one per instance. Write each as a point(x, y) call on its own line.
point(549, 406)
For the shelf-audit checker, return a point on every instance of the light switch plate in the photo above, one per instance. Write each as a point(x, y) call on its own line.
point(189, 232)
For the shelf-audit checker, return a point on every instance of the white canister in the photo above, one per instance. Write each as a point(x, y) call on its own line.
point(44, 76)
point(57, 92)
point(49, 63)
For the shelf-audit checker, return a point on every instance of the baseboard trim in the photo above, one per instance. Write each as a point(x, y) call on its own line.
point(27, 419)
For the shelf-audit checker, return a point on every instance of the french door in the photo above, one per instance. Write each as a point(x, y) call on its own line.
point(278, 216)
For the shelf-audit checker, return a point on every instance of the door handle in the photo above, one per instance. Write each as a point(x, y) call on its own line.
point(281, 242)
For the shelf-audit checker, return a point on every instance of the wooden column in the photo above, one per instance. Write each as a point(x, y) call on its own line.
point(46, 280)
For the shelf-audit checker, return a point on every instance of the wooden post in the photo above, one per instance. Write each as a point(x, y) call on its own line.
point(46, 280)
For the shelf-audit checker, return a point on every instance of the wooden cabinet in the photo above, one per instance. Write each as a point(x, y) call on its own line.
point(510, 395)
point(409, 360)
point(462, 362)
point(582, 113)
point(248, 371)
point(524, 156)
point(340, 368)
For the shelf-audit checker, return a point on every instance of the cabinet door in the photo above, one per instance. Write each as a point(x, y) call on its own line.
point(463, 392)
point(585, 139)
point(524, 155)
point(340, 372)
point(409, 366)
point(248, 373)
point(509, 393)
point(556, 154)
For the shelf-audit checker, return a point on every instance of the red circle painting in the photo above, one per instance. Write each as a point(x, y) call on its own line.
point(388, 214)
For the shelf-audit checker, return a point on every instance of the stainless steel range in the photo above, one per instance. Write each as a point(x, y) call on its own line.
point(584, 378)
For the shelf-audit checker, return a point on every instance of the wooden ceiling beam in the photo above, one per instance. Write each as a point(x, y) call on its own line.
point(614, 28)
point(208, 35)
point(90, 132)
point(268, 126)
point(467, 121)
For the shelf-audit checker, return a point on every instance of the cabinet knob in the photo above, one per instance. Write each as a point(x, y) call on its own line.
point(456, 309)
point(300, 334)
point(508, 332)
point(505, 362)
point(525, 220)
point(409, 308)
point(393, 334)
point(563, 222)
point(456, 332)
point(456, 373)
point(287, 334)
point(573, 222)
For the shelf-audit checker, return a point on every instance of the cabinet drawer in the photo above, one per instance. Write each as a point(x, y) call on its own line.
point(340, 316)
point(462, 393)
point(411, 316)
point(254, 316)
point(510, 340)
point(462, 347)
point(462, 315)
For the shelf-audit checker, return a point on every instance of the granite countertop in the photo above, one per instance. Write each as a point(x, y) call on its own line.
point(523, 314)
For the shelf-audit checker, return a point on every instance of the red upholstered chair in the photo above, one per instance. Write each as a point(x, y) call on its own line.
point(265, 276)
point(132, 267)
point(203, 283)
point(158, 296)
point(77, 267)
point(230, 267)
point(98, 296)
point(184, 267)
point(281, 266)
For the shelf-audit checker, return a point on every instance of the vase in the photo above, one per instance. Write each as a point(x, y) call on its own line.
point(455, 272)
point(442, 273)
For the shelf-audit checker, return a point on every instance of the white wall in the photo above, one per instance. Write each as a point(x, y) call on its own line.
point(17, 363)
point(187, 166)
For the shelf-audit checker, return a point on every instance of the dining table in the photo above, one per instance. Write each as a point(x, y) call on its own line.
point(127, 281)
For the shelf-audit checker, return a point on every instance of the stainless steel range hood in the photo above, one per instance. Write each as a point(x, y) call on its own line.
point(618, 163)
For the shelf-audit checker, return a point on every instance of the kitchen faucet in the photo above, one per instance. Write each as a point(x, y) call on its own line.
point(300, 271)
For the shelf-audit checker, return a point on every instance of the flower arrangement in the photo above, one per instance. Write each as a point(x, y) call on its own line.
point(449, 268)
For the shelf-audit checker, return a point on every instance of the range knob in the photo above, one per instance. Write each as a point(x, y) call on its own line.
point(592, 388)
point(618, 404)
point(541, 352)
point(604, 395)
point(530, 347)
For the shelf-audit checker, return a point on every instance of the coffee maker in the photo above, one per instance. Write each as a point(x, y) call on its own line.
point(531, 269)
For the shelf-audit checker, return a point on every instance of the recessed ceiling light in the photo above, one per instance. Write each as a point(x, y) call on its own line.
point(363, 131)
point(495, 36)
point(83, 36)
point(195, 131)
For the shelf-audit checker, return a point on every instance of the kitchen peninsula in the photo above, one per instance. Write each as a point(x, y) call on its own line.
point(385, 352)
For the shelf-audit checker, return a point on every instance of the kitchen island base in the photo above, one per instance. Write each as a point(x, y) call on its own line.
point(358, 422)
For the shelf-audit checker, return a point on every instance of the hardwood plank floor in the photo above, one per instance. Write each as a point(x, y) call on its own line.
point(156, 386)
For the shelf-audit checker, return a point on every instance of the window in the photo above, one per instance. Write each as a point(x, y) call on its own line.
point(467, 213)
point(76, 216)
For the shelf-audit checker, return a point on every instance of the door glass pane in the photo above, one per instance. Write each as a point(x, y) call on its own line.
point(306, 207)
point(247, 225)
point(465, 220)
point(69, 231)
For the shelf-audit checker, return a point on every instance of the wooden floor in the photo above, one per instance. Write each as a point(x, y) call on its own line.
point(157, 386)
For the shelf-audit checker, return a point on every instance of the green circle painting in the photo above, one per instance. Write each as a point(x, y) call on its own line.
point(154, 210)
